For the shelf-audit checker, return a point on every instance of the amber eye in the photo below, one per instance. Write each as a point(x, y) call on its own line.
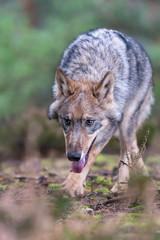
point(67, 121)
point(89, 122)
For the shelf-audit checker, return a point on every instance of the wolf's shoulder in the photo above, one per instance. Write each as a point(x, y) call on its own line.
point(98, 35)
point(93, 48)
point(102, 33)
point(99, 40)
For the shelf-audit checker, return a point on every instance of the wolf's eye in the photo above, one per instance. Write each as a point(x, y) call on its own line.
point(67, 121)
point(89, 122)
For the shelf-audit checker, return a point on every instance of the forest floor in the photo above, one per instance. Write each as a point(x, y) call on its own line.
point(33, 206)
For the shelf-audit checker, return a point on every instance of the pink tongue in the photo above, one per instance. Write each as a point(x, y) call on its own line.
point(77, 166)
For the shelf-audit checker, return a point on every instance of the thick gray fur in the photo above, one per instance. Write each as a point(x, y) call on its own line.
point(94, 53)
point(90, 58)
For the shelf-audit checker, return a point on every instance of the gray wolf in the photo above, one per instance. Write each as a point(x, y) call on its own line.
point(103, 88)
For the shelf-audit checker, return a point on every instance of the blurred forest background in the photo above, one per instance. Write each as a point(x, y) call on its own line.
point(33, 36)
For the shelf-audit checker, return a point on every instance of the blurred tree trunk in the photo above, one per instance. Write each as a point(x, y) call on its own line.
point(30, 8)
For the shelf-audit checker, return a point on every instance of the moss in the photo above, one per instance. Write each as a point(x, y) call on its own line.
point(104, 181)
point(149, 169)
point(47, 163)
point(54, 188)
point(127, 224)
point(137, 207)
point(135, 215)
point(96, 168)
point(6, 168)
point(83, 207)
point(97, 217)
point(110, 161)
point(153, 159)
point(3, 187)
point(103, 190)
point(55, 185)
point(101, 158)
point(129, 220)
point(158, 183)
point(61, 205)
point(88, 184)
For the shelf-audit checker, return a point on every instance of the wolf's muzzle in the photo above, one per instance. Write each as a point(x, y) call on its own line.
point(73, 156)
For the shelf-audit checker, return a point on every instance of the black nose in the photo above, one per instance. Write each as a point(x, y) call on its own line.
point(73, 156)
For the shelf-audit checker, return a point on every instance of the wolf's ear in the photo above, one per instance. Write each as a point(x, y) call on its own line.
point(104, 89)
point(65, 84)
point(53, 109)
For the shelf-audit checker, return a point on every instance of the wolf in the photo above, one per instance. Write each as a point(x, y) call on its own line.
point(103, 88)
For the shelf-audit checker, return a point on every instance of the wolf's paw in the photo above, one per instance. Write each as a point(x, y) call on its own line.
point(119, 188)
point(74, 185)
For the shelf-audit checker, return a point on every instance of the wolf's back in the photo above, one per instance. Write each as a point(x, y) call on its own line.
point(93, 53)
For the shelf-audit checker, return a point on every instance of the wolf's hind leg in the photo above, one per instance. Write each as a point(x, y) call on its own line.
point(134, 116)
point(129, 159)
point(137, 160)
point(124, 171)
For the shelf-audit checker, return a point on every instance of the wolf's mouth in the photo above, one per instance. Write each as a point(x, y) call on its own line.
point(77, 166)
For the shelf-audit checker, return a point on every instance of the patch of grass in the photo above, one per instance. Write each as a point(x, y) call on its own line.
point(96, 167)
point(135, 215)
point(6, 167)
point(61, 205)
point(137, 207)
point(46, 163)
point(153, 159)
point(104, 181)
point(97, 217)
point(129, 220)
point(54, 186)
point(158, 183)
point(102, 191)
point(88, 184)
point(149, 169)
point(3, 187)
point(101, 158)
point(110, 161)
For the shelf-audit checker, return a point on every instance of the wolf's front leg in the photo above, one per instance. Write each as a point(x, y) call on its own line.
point(75, 182)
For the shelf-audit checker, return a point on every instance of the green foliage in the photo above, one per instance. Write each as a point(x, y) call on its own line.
point(101, 158)
point(3, 187)
point(54, 186)
point(29, 56)
point(97, 217)
point(103, 181)
point(25, 70)
point(102, 191)
point(88, 184)
point(62, 205)
point(130, 220)
point(107, 160)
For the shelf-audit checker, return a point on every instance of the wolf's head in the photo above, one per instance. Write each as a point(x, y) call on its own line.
point(84, 109)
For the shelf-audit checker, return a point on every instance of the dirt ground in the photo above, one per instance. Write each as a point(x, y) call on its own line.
point(32, 203)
